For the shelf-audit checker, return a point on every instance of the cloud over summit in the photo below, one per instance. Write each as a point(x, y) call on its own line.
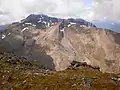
point(18, 9)
point(12, 10)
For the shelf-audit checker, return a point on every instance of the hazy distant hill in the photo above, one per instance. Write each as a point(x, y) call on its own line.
point(2, 27)
point(115, 26)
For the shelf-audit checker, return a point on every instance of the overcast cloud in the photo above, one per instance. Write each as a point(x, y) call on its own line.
point(106, 9)
point(14, 10)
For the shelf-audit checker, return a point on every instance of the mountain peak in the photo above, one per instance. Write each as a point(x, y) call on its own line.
point(43, 20)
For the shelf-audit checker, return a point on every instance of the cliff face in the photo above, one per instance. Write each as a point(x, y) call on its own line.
point(95, 46)
point(59, 47)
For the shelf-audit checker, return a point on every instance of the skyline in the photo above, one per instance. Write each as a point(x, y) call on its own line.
point(15, 10)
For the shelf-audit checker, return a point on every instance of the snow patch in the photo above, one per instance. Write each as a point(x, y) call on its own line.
point(44, 22)
point(69, 25)
point(82, 25)
point(34, 25)
point(62, 30)
point(39, 20)
point(9, 33)
point(48, 25)
point(3, 36)
point(72, 23)
point(28, 23)
point(26, 28)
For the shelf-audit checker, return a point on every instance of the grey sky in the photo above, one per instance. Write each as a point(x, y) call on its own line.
point(106, 9)
point(14, 10)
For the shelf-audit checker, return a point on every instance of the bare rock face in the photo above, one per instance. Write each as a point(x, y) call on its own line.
point(97, 47)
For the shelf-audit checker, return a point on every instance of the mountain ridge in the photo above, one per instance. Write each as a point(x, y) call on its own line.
point(41, 18)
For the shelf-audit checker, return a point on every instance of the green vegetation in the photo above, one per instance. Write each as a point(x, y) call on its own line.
point(21, 74)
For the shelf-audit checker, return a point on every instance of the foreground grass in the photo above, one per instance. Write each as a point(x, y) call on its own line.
point(29, 75)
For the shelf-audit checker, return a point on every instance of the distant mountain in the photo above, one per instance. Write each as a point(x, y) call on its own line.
point(2, 27)
point(41, 20)
point(115, 26)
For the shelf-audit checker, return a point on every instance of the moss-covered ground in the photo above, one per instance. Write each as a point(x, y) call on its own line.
point(21, 74)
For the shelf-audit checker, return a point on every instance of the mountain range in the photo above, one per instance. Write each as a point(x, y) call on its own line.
point(57, 42)
point(37, 19)
point(41, 19)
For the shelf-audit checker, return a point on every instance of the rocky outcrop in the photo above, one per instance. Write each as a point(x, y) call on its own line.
point(97, 47)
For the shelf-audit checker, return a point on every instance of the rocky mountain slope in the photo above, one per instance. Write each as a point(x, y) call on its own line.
point(63, 42)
